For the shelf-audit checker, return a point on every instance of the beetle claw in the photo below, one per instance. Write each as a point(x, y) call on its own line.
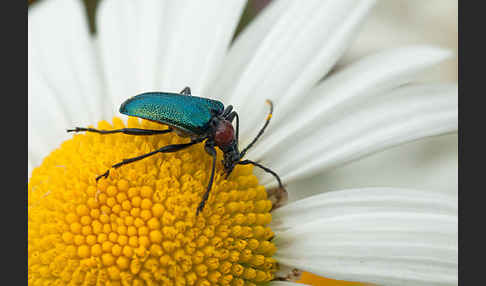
point(103, 175)
point(200, 208)
point(77, 129)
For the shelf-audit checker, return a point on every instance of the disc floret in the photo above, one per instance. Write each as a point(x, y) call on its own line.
point(139, 226)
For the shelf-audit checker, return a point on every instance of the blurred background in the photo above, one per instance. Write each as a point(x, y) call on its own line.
point(391, 24)
point(401, 22)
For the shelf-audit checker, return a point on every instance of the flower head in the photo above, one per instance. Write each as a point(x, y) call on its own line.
point(140, 224)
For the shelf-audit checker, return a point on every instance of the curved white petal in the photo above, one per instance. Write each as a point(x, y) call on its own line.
point(58, 91)
point(163, 45)
point(405, 114)
point(193, 50)
point(368, 77)
point(63, 83)
point(360, 201)
point(148, 42)
point(401, 242)
point(47, 120)
point(434, 22)
point(62, 52)
point(426, 164)
point(244, 47)
point(301, 44)
point(116, 30)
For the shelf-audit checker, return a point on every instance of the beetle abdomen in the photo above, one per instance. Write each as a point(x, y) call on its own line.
point(188, 113)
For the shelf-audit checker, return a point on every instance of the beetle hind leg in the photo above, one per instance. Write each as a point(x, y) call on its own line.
point(129, 131)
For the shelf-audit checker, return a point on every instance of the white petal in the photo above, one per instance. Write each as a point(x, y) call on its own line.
point(434, 22)
point(61, 50)
point(116, 27)
point(427, 164)
point(399, 244)
point(47, 120)
point(360, 201)
point(148, 41)
point(63, 84)
point(163, 45)
point(299, 47)
point(195, 42)
point(405, 114)
point(368, 77)
point(30, 167)
point(243, 48)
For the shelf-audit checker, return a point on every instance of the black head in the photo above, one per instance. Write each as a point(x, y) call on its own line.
point(223, 136)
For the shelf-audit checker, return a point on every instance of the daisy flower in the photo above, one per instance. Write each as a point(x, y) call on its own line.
point(139, 227)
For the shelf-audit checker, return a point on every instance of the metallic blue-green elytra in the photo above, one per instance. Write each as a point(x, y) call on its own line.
point(189, 113)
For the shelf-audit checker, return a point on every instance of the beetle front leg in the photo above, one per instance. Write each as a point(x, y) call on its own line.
point(209, 147)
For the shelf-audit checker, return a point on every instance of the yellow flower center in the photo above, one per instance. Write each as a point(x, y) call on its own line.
point(139, 226)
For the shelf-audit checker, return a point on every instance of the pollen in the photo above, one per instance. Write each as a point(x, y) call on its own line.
point(139, 225)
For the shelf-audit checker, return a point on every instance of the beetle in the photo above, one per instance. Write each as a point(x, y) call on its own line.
point(190, 116)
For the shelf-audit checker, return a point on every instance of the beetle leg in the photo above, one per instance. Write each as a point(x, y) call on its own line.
point(165, 149)
point(211, 151)
point(186, 91)
point(129, 131)
point(246, 162)
point(229, 172)
point(267, 120)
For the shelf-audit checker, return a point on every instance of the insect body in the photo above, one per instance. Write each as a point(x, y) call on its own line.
point(189, 116)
